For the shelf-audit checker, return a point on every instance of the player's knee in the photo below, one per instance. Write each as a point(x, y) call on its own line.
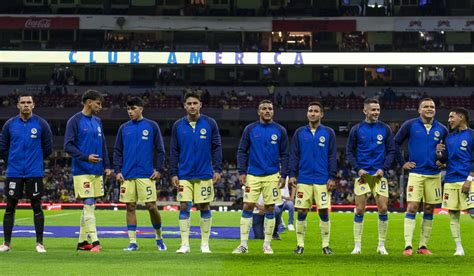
point(131, 207)
point(269, 208)
point(248, 207)
point(359, 211)
point(11, 206)
point(36, 206)
point(204, 207)
point(151, 206)
point(383, 209)
point(428, 209)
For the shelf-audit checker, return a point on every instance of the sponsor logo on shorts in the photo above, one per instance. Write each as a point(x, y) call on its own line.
point(86, 185)
point(12, 185)
point(11, 192)
point(300, 194)
point(446, 196)
point(247, 189)
point(181, 188)
point(410, 188)
point(123, 190)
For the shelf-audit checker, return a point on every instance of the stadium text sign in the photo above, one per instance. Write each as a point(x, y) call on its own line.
point(236, 58)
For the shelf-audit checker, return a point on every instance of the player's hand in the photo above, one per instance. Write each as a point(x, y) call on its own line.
point(216, 178)
point(331, 185)
point(440, 147)
point(119, 177)
point(156, 175)
point(292, 182)
point(108, 173)
point(440, 165)
point(243, 179)
point(409, 165)
point(282, 182)
point(94, 158)
point(379, 173)
point(175, 181)
point(466, 187)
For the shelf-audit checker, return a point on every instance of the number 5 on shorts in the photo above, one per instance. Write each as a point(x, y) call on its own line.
point(149, 191)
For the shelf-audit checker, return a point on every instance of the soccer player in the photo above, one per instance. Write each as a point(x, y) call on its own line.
point(25, 142)
point(196, 163)
point(262, 162)
point(424, 179)
point(313, 168)
point(370, 151)
point(135, 146)
point(85, 142)
point(459, 154)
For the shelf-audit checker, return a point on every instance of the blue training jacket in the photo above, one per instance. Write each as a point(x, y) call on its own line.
point(263, 150)
point(313, 158)
point(195, 153)
point(135, 147)
point(370, 147)
point(459, 154)
point(84, 136)
point(25, 145)
point(421, 144)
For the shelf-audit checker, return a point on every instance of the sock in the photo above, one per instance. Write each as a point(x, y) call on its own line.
point(206, 221)
point(245, 225)
point(325, 227)
point(132, 233)
point(82, 228)
point(383, 225)
point(301, 224)
point(268, 227)
point(408, 228)
point(38, 219)
point(157, 228)
point(9, 219)
point(184, 227)
point(455, 227)
point(89, 222)
point(426, 227)
point(358, 229)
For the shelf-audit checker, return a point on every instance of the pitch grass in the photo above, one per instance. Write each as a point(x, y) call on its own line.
point(62, 259)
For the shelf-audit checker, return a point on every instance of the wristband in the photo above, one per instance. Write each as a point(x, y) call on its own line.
point(470, 178)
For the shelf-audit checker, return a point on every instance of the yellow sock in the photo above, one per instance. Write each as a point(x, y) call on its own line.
point(89, 219)
point(425, 234)
point(205, 230)
point(383, 225)
point(132, 235)
point(184, 225)
point(325, 227)
point(455, 227)
point(268, 227)
point(158, 235)
point(245, 225)
point(408, 229)
point(82, 228)
point(358, 229)
point(300, 231)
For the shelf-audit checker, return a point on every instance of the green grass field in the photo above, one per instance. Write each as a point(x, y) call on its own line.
point(62, 259)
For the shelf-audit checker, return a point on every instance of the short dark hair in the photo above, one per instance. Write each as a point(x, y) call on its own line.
point(463, 111)
point(316, 103)
point(371, 101)
point(24, 95)
point(425, 100)
point(266, 101)
point(191, 95)
point(92, 95)
point(137, 101)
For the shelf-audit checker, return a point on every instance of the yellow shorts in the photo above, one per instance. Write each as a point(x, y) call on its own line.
point(196, 190)
point(426, 187)
point(372, 185)
point(454, 199)
point(88, 185)
point(266, 185)
point(138, 189)
point(306, 193)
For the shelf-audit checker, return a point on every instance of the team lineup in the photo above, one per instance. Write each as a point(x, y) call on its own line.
point(266, 161)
